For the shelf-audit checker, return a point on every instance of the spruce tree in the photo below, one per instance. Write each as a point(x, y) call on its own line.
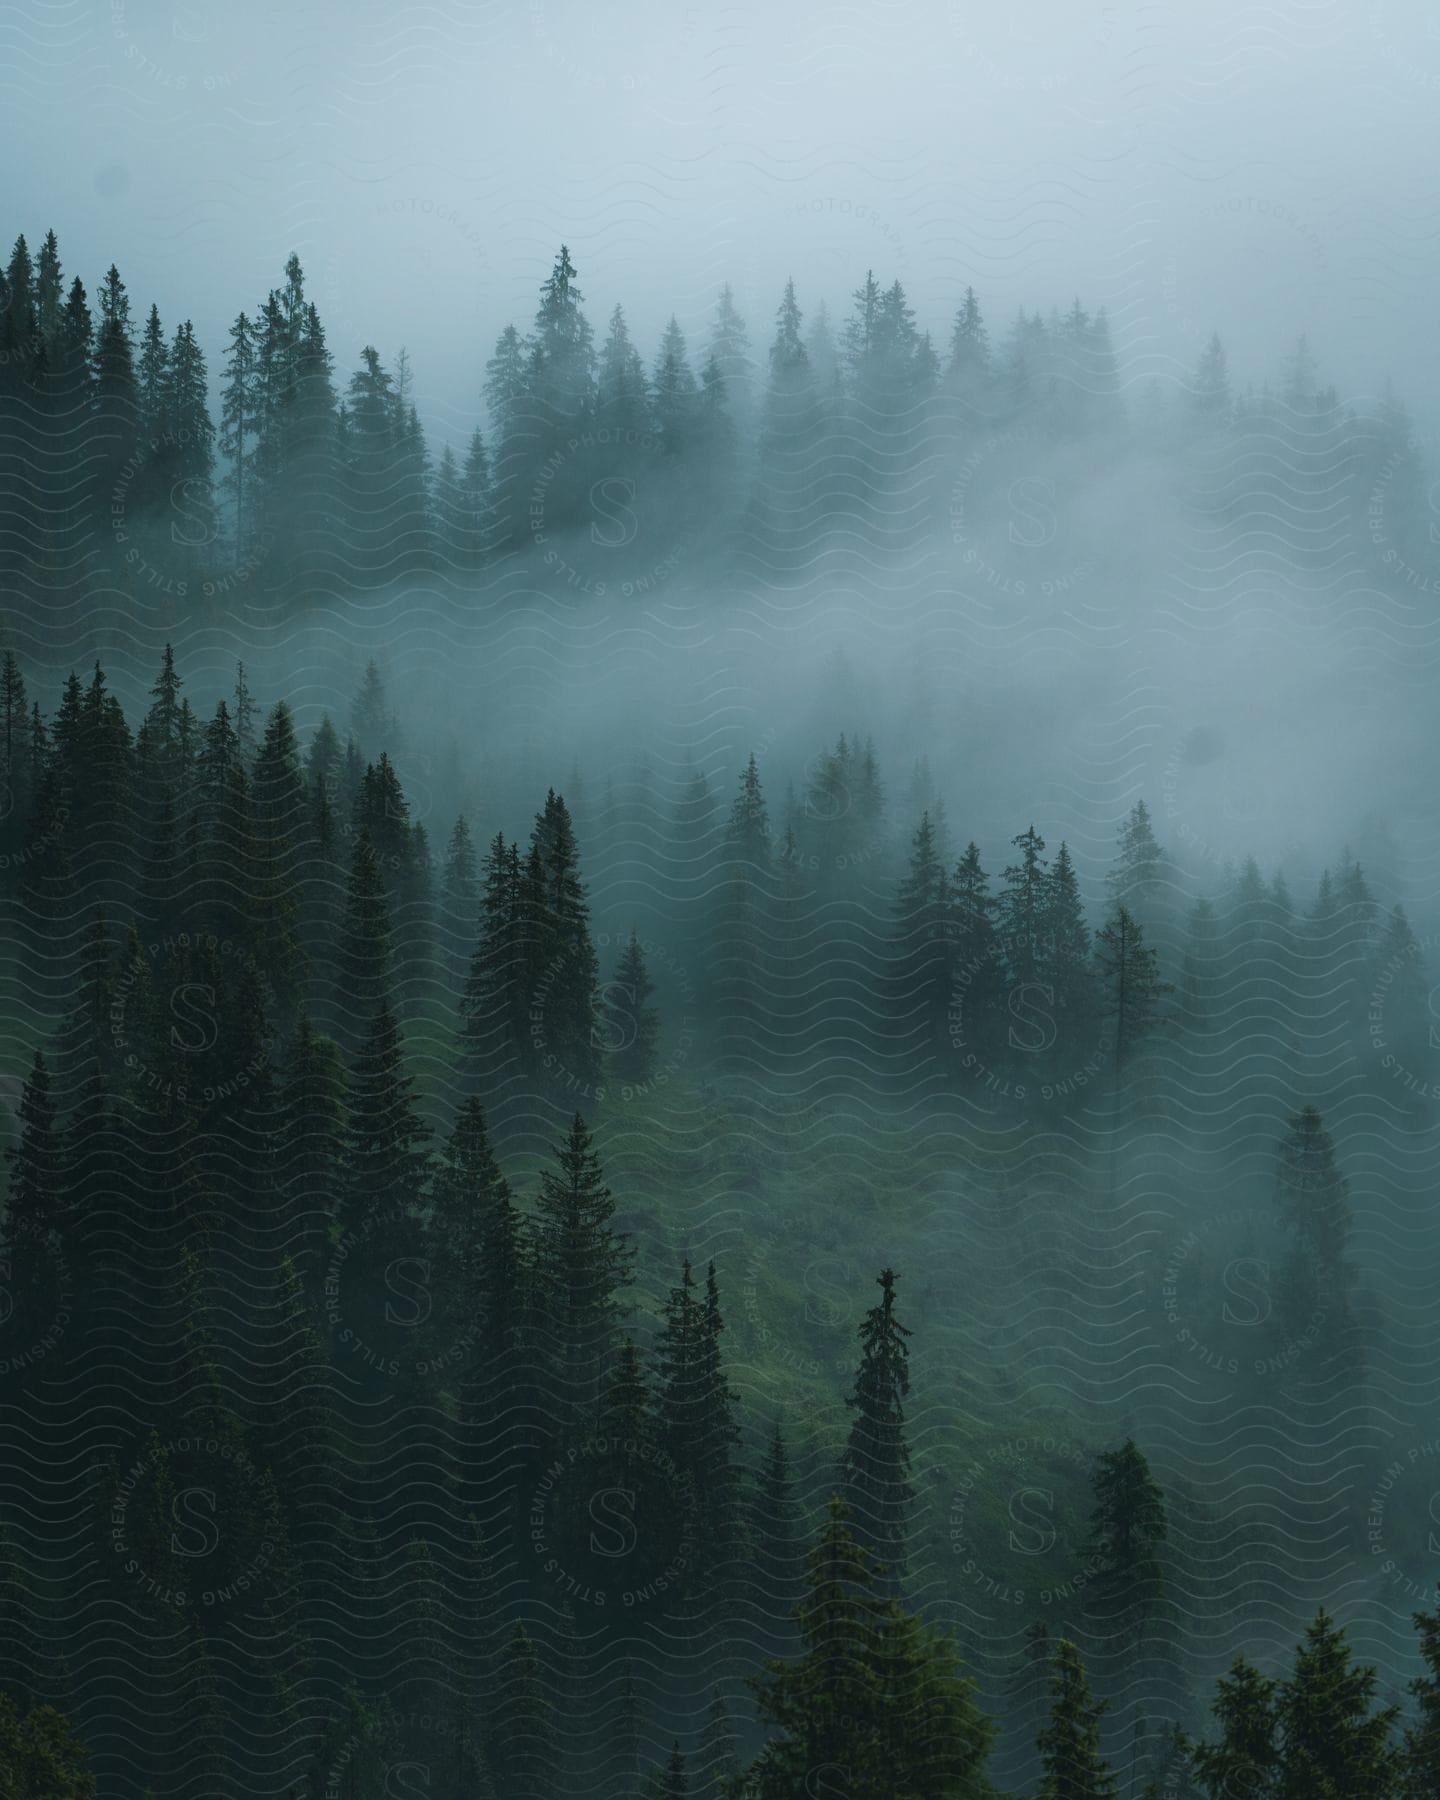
point(1130, 986)
point(1312, 1201)
point(1069, 1742)
point(1128, 1525)
point(494, 1001)
point(875, 1698)
point(1422, 1737)
point(632, 1025)
point(1021, 911)
point(386, 1162)
point(582, 1268)
point(1247, 1756)
point(523, 1746)
point(1331, 1740)
point(924, 940)
point(875, 1469)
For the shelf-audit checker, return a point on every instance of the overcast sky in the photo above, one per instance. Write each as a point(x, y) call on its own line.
point(1259, 170)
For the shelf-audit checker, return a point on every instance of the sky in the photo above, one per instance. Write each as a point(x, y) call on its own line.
point(1256, 170)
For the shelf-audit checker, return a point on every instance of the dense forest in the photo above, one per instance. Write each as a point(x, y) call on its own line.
point(714, 1268)
point(259, 477)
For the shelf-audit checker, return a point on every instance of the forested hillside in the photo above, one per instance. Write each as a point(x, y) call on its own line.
point(674, 1184)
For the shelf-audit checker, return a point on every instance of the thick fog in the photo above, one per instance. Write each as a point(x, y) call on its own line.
point(1256, 172)
point(1163, 533)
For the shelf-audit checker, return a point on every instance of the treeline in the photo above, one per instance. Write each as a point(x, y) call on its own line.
point(286, 477)
point(317, 1403)
point(853, 916)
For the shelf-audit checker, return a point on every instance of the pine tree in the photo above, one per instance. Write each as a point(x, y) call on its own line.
point(36, 1202)
point(875, 1469)
point(1069, 1742)
point(1332, 1743)
point(494, 1002)
point(311, 1145)
point(1210, 396)
point(1422, 1738)
point(670, 1782)
point(238, 423)
point(977, 975)
point(718, 1756)
point(475, 495)
point(153, 378)
point(364, 960)
point(582, 1268)
point(1130, 985)
point(632, 1025)
point(1247, 1757)
point(1021, 910)
point(875, 1699)
point(774, 1531)
point(1128, 1525)
point(523, 1745)
point(386, 1163)
point(729, 347)
point(924, 938)
point(41, 1758)
point(562, 953)
point(1312, 1200)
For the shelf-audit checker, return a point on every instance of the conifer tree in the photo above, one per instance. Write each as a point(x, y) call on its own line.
point(1248, 1753)
point(494, 1001)
point(1331, 1740)
point(1128, 1525)
point(875, 1698)
point(364, 959)
point(1312, 1200)
point(311, 1145)
point(582, 1267)
point(523, 1746)
point(386, 1162)
point(876, 1466)
point(1021, 910)
point(632, 1025)
point(1422, 1737)
point(924, 939)
point(1069, 1742)
point(775, 1530)
point(40, 1756)
point(729, 347)
point(1130, 986)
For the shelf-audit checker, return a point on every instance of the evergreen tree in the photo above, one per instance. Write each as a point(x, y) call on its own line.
point(582, 1268)
point(1021, 911)
point(40, 1756)
point(1210, 396)
point(729, 347)
point(494, 1002)
point(386, 1163)
point(632, 1025)
point(364, 959)
point(925, 940)
point(875, 1699)
point(1131, 986)
point(875, 1469)
point(523, 1746)
point(1128, 1525)
point(1312, 1200)
point(1069, 1742)
point(1247, 1757)
point(1331, 1740)
point(775, 1527)
point(1422, 1738)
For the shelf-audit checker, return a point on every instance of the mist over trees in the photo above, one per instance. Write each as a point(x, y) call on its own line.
point(205, 476)
point(377, 1356)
